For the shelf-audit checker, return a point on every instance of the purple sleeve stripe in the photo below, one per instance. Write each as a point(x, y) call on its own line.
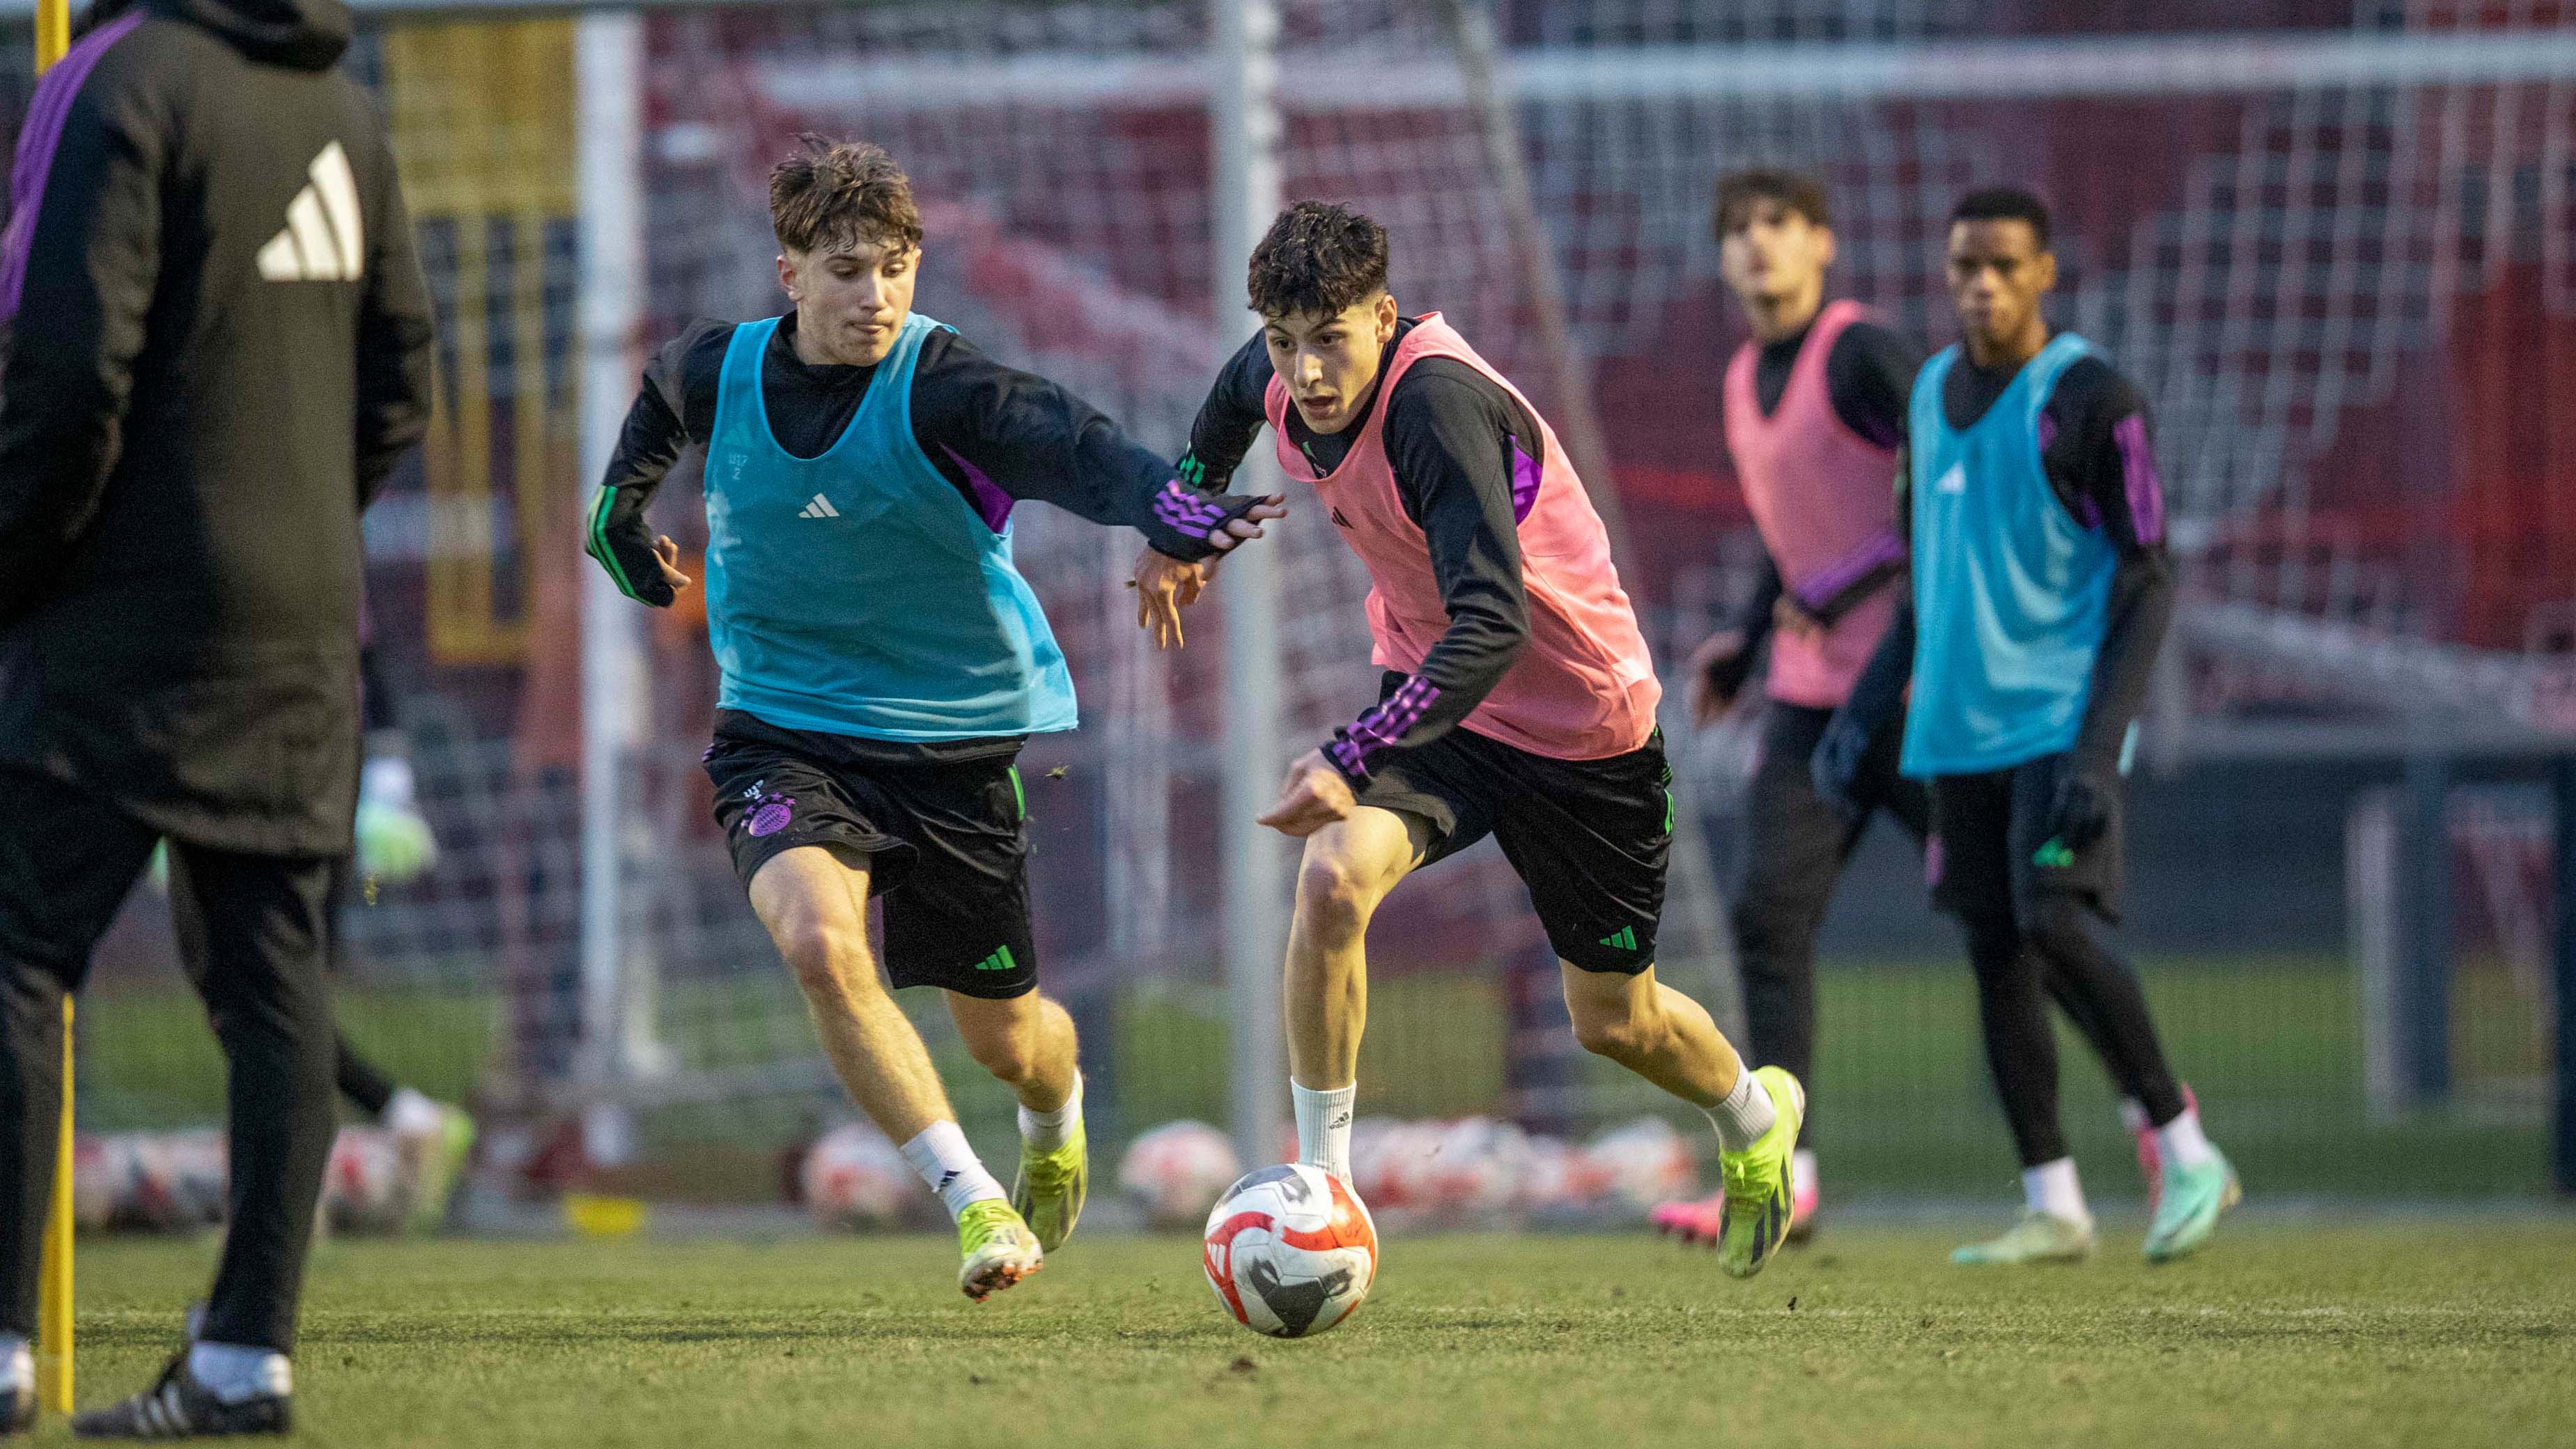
point(1527, 475)
point(51, 106)
point(1884, 549)
point(2047, 431)
point(991, 503)
point(2146, 486)
point(1185, 513)
point(1380, 727)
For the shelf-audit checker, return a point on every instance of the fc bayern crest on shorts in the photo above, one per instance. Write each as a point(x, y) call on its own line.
point(771, 810)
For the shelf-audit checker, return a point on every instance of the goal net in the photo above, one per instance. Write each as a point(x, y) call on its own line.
point(2335, 241)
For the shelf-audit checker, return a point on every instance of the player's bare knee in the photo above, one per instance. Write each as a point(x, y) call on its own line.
point(826, 955)
point(1334, 897)
point(1615, 1030)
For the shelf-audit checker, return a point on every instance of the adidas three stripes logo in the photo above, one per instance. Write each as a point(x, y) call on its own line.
point(325, 238)
point(821, 507)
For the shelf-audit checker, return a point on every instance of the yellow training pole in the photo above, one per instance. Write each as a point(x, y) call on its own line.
point(53, 31)
point(54, 1307)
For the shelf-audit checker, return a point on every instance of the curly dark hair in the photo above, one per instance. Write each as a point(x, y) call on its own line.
point(1319, 258)
point(841, 193)
point(2005, 203)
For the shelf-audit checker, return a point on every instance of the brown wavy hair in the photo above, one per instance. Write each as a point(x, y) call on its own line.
point(841, 194)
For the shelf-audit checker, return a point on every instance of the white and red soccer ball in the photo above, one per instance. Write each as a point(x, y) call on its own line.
point(366, 1187)
point(1639, 1164)
point(853, 1179)
point(1174, 1171)
point(1290, 1251)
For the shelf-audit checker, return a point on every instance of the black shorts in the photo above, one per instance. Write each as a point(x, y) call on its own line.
point(1589, 838)
point(1990, 848)
point(946, 841)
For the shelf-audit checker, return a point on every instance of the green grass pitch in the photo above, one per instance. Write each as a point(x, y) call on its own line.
point(2272, 1043)
point(2434, 1331)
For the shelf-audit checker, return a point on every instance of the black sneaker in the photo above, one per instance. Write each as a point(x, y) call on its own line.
point(17, 1409)
point(179, 1407)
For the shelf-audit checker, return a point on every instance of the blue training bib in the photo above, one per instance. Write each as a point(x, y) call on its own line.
point(858, 592)
point(2011, 592)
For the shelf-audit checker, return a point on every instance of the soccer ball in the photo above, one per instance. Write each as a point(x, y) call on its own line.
point(364, 1187)
point(1642, 1163)
point(1290, 1251)
point(854, 1179)
point(1176, 1170)
point(160, 1182)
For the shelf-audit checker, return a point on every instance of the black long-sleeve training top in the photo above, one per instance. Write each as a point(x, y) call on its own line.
point(1869, 381)
point(1449, 435)
point(974, 419)
point(2102, 485)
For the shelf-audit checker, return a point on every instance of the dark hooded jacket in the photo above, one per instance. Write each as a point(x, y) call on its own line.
point(218, 346)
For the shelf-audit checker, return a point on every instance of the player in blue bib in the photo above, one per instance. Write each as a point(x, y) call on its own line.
point(883, 661)
point(2041, 593)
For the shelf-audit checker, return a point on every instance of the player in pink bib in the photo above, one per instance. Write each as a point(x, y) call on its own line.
point(1518, 701)
point(1815, 415)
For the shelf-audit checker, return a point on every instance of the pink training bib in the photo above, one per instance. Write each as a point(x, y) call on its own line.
point(1584, 685)
point(1824, 499)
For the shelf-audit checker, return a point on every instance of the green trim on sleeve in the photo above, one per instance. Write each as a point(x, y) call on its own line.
point(599, 548)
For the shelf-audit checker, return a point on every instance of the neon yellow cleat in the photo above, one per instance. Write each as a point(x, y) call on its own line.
point(1052, 1186)
point(437, 1159)
point(2038, 1238)
point(999, 1248)
point(1760, 1197)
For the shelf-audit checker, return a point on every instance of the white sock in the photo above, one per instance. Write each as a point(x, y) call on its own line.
point(1047, 1131)
point(410, 1114)
point(2133, 1115)
point(234, 1372)
point(2052, 1188)
point(17, 1363)
point(1744, 1115)
point(951, 1168)
point(2184, 1143)
point(1324, 1126)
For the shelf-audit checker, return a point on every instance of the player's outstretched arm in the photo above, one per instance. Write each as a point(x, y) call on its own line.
point(1007, 436)
point(74, 303)
point(1004, 436)
point(1221, 435)
point(644, 565)
point(1230, 418)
